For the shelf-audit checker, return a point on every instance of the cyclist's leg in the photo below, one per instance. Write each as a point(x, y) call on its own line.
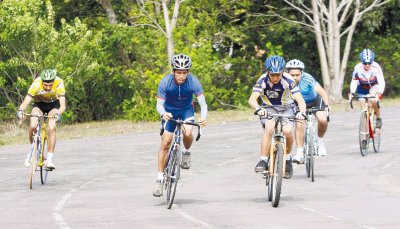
point(299, 137)
point(372, 91)
point(288, 132)
point(188, 116)
point(262, 165)
point(34, 121)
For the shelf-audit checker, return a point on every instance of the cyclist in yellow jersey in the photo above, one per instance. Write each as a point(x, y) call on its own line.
point(48, 94)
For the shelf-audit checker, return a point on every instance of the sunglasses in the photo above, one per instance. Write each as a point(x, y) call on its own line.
point(366, 63)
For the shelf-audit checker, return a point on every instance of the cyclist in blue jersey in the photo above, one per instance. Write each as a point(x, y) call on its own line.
point(314, 96)
point(175, 100)
point(277, 90)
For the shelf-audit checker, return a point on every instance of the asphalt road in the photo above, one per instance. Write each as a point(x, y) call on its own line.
point(107, 182)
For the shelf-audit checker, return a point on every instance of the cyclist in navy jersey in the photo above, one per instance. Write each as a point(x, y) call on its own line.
point(314, 96)
point(277, 90)
point(175, 100)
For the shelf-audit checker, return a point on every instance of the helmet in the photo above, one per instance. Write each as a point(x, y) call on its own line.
point(275, 64)
point(295, 64)
point(181, 62)
point(367, 56)
point(48, 74)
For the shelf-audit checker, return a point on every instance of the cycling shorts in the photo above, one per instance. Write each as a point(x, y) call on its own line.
point(47, 107)
point(185, 115)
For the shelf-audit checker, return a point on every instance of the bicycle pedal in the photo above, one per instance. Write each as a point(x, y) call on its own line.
point(48, 169)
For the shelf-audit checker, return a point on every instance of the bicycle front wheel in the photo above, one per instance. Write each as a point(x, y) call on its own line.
point(43, 171)
point(278, 174)
point(34, 159)
point(364, 134)
point(377, 139)
point(307, 153)
point(173, 173)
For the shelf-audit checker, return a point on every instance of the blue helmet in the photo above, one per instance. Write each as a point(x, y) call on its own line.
point(367, 56)
point(275, 64)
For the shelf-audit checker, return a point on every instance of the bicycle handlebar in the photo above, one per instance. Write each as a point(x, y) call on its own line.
point(272, 115)
point(363, 97)
point(181, 122)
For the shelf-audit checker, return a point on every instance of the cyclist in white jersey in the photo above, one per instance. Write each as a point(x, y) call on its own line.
point(368, 80)
point(314, 96)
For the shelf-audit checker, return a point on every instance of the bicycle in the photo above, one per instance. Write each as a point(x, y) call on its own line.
point(310, 141)
point(276, 167)
point(367, 129)
point(38, 151)
point(172, 169)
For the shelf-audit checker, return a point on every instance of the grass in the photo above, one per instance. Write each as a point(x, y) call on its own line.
point(11, 133)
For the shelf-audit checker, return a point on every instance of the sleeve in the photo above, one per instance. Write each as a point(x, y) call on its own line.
point(203, 106)
point(196, 86)
point(160, 106)
point(60, 91)
point(381, 80)
point(355, 74)
point(258, 86)
point(162, 89)
point(293, 86)
point(34, 88)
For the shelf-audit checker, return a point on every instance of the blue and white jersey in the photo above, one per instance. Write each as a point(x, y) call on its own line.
point(278, 94)
point(178, 97)
point(367, 79)
point(307, 86)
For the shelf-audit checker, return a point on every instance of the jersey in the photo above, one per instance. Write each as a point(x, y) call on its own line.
point(367, 79)
point(307, 86)
point(278, 94)
point(37, 92)
point(178, 97)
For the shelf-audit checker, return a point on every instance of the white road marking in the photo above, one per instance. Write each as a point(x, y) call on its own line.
point(190, 218)
point(331, 216)
point(58, 218)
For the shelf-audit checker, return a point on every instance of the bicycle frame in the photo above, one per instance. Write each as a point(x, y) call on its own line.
point(277, 137)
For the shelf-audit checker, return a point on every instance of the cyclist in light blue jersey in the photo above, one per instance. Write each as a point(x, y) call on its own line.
point(278, 91)
point(314, 96)
point(175, 100)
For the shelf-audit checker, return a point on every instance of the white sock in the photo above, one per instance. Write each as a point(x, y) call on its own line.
point(264, 158)
point(160, 176)
point(300, 150)
point(50, 156)
point(320, 140)
point(288, 157)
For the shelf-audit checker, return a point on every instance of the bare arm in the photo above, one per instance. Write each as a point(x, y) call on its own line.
point(63, 106)
point(253, 99)
point(300, 101)
point(321, 91)
point(28, 99)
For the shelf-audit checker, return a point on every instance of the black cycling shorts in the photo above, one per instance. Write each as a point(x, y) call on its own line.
point(47, 107)
point(317, 103)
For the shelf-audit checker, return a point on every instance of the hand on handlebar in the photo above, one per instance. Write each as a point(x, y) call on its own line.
point(166, 116)
point(262, 112)
point(300, 115)
point(379, 96)
point(20, 114)
point(202, 122)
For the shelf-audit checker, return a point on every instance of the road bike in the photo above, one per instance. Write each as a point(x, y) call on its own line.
point(38, 152)
point(172, 169)
point(368, 132)
point(276, 165)
point(310, 141)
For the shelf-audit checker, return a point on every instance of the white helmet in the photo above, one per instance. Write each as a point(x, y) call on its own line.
point(295, 64)
point(181, 62)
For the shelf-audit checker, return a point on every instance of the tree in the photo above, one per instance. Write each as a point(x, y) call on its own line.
point(333, 21)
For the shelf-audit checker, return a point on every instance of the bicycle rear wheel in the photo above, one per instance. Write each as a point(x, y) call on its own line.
point(277, 176)
point(34, 159)
point(43, 171)
point(364, 134)
point(173, 174)
point(377, 139)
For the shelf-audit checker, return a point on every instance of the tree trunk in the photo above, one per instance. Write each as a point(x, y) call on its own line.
point(107, 6)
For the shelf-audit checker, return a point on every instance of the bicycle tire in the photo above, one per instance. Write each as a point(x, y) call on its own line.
point(312, 152)
point(306, 153)
point(34, 157)
point(43, 172)
point(278, 174)
point(173, 177)
point(364, 134)
point(269, 185)
point(377, 139)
